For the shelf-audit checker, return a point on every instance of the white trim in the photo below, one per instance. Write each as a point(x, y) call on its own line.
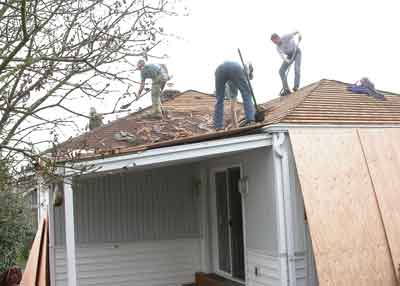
point(215, 258)
point(178, 153)
point(70, 231)
point(289, 216)
point(278, 139)
point(284, 210)
point(204, 223)
point(52, 253)
point(243, 195)
point(39, 213)
point(282, 127)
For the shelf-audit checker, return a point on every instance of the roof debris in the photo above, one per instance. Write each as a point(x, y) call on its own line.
point(190, 118)
point(125, 136)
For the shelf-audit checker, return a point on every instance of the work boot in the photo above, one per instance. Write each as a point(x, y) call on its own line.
point(246, 123)
point(295, 89)
point(285, 92)
point(156, 116)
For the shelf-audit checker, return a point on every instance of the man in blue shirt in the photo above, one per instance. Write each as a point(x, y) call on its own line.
point(159, 77)
point(233, 74)
point(289, 52)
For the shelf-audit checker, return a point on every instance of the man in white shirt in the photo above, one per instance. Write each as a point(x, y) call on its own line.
point(290, 52)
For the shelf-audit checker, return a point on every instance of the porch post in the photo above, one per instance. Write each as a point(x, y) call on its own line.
point(70, 231)
point(280, 209)
point(206, 262)
point(284, 210)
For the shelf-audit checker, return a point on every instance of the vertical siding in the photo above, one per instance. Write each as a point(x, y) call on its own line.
point(151, 205)
point(166, 263)
point(136, 228)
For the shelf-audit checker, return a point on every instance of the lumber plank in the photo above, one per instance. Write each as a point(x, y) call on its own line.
point(348, 237)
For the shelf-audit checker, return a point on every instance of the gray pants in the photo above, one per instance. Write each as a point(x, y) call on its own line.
point(285, 66)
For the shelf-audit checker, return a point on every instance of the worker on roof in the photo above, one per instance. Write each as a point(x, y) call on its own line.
point(290, 52)
point(233, 74)
point(159, 76)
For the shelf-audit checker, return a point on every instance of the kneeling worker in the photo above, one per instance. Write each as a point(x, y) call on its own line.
point(159, 77)
point(233, 73)
point(290, 52)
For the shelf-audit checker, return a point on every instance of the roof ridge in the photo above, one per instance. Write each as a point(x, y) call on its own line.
point(378, 90)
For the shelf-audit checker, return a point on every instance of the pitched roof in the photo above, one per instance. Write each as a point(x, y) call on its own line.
point(329, 102)
point(189, 118)
point(188, 114)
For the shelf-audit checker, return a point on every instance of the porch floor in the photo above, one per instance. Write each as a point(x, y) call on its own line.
point(212, 279)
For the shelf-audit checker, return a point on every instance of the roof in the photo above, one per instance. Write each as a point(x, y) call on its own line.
point(188, 114)
point(189, 118)
point(329, 102)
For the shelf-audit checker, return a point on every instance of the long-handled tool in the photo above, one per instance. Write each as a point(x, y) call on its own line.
point(260, 113)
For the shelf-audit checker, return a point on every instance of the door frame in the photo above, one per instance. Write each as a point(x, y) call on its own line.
point(214, 220)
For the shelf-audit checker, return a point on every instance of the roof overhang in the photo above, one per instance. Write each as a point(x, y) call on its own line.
point(174, 154)
point(284, 127)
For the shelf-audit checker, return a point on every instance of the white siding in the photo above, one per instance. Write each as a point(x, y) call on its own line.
point(166, 263)
point(160, 204)
point(260, 208)
point(263, 269)
point(260, 214)
point(151, 216)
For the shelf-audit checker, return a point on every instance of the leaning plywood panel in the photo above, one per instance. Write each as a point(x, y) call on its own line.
point(345, 226)
point(382, 153)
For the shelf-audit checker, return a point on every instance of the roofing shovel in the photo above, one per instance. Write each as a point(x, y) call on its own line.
point(260, 112)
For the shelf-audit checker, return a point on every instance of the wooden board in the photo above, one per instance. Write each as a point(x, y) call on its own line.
point(348, 238)
point(36, 269)
point(382, 152)
point(32, 266)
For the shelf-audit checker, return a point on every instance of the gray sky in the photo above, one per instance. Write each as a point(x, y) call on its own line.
point(342, 40)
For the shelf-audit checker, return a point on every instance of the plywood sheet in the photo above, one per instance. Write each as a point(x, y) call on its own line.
point(349, 243)
point(382, 153)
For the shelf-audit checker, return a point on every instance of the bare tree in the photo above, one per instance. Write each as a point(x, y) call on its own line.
point(53, 52)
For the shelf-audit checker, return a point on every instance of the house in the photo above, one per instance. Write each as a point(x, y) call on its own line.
point(304, 193)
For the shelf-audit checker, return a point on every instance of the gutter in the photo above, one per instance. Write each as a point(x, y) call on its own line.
point(174, 154)
point(285, 218)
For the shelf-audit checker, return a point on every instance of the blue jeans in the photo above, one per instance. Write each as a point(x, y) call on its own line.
point(284, 68)
point(234, 72)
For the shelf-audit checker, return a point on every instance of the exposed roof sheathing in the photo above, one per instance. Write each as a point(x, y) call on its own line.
point(188, 114)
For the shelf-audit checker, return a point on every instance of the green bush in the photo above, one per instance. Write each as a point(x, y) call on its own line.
point(15, 228)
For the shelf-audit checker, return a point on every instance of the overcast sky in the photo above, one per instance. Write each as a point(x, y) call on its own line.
point(342, 40)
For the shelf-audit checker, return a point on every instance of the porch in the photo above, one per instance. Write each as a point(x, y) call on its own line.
point(159, 220)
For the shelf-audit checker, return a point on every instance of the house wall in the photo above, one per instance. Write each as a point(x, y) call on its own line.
point(305, 266)
point(260, 214)
point(137, 228)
